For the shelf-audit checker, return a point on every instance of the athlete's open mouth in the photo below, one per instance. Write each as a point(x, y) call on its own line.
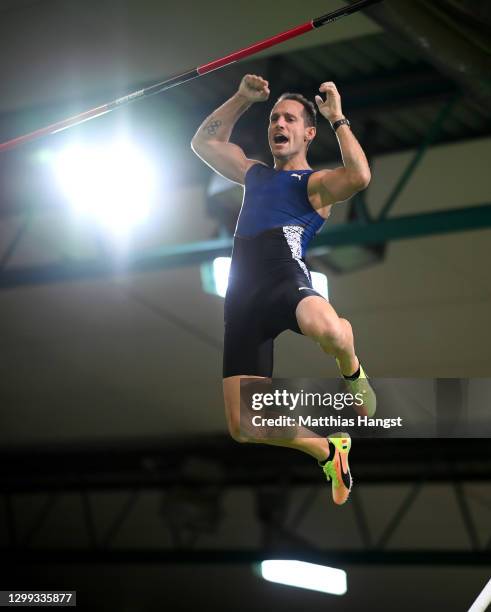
point(279, 138)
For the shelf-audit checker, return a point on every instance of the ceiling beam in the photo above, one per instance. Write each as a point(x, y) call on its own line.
point(383, 231)
point(157, 464)
point(332, 557)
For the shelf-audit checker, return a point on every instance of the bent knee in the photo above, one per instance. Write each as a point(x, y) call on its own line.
point(325, 330)
point(346, 324)
point(236, 432)
point(237, 435)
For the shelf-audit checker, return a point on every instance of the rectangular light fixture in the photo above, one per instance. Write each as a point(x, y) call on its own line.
point(305, 575)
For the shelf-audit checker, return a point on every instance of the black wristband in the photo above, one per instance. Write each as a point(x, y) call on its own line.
point(339, 122)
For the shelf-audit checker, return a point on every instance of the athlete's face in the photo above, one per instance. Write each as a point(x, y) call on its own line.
point(287, 133)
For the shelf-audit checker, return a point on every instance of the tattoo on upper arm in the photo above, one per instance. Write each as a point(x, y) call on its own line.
point(212, 126)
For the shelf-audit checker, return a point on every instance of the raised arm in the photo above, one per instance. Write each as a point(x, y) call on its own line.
point(211, 141)
point(341, 183)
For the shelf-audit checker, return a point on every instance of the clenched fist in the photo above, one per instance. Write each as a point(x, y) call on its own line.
point(254, 88)
point(330, 108)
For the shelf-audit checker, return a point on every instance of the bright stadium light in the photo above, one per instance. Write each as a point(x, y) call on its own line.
point(114, 184)
point(215, 278)
point(305, 575)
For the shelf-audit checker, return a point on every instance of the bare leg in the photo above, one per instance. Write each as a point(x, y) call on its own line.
point(318, 320)
point(305, 440)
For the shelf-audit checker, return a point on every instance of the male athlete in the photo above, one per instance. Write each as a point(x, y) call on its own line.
point(270, 288)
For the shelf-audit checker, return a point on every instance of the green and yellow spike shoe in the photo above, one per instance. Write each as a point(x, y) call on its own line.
point(361, 386)
point(336, 467)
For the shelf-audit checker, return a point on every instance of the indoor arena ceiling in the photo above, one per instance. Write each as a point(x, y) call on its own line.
point(393, 88)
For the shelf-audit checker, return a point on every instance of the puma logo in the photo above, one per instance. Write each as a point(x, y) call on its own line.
point(299, 176)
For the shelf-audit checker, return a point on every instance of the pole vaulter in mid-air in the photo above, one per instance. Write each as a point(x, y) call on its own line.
point(270, 288)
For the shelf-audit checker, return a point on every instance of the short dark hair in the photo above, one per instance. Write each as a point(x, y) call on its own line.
point(309, 110)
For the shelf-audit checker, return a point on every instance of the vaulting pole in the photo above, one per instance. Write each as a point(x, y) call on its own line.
point(188, 75)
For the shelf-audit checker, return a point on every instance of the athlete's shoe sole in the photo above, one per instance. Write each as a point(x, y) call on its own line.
point(361, 387)
point(337, 468)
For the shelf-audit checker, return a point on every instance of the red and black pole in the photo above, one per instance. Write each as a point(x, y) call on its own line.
point(189, 75)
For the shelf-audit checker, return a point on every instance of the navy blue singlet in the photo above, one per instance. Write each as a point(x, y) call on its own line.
point(277, 198)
